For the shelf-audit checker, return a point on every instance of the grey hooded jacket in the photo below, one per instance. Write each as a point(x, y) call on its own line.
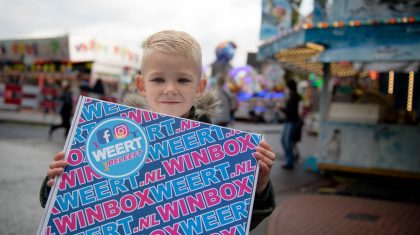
point(205, 108)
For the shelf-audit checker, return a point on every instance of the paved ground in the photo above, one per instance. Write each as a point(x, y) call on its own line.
point(321, 214)
point(24, 157)
point(25, 153)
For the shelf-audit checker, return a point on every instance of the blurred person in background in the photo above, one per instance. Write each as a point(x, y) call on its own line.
point(291, 124)
point(66, 109)
point(224, 117)
point(99, 89)
point(84, 87)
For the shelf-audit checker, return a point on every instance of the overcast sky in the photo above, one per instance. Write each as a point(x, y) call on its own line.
point(131, 21)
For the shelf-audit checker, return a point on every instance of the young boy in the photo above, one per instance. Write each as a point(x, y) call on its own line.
point(170, 83)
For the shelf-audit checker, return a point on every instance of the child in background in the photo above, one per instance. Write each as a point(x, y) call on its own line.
point(171, 83)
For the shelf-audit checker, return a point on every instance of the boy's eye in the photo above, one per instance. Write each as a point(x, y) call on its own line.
point(184, 80)
point(157, 80)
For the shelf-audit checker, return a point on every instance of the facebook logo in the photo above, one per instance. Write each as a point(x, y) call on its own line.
point(104, 136)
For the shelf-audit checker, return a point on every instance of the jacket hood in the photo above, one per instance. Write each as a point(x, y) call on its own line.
point(208, 104)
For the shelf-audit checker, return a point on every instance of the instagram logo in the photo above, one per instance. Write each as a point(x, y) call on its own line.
point(121, 131)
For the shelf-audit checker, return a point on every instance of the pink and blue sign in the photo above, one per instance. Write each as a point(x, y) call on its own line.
point(132, 171)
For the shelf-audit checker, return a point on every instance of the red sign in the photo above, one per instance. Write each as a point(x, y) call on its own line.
point(49, 97)
point(13, 94)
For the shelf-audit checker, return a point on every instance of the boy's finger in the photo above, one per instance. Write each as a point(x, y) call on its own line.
point(264, 144)
point(50, 182)
point(54, 172)
point(266, 152)
point(264, 159)
point(59, 155)
point(263, 166)
point(57, 164)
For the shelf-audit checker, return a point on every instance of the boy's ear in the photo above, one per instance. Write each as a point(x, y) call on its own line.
point(201, 87)
point(140, 85)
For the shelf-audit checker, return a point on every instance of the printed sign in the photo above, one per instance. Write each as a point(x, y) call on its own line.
point(133, 171)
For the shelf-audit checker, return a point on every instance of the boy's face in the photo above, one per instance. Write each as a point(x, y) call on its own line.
point(170, 83)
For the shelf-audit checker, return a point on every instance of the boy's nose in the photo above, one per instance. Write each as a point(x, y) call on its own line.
point(170, 89)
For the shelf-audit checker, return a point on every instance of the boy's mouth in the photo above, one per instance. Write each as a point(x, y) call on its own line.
point(170, 102)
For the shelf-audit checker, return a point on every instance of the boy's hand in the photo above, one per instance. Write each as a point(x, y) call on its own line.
point(56, 167)
point(265, 157)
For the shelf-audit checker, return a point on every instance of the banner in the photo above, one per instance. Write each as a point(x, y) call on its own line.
point(28, 51)
point(133, 171)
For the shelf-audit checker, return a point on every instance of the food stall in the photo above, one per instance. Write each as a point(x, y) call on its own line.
point(33, 70)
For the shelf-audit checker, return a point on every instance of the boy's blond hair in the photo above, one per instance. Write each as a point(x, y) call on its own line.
point(174, 43)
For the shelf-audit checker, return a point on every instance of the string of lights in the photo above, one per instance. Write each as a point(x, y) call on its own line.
point(410, 91)
point(341, 24)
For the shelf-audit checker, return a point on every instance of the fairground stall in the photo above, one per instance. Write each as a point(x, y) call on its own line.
point(255, 91)
point(367, 53)
point(33, 70)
